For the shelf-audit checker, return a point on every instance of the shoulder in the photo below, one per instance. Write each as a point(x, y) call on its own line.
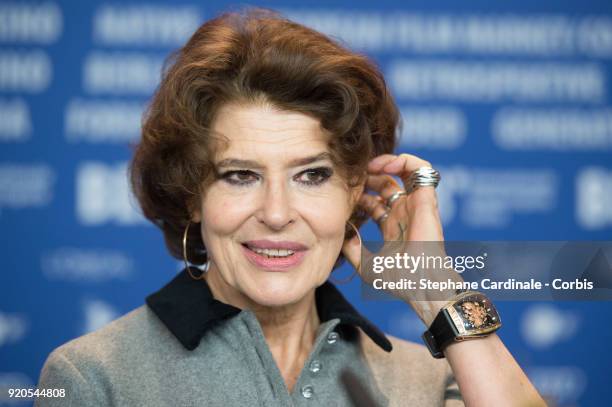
point(133, 335)
point(409, 372)
point(86, 365)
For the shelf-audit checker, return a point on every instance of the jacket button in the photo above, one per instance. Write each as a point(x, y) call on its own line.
point(332, 337)
point(315, 366)
point(307, 391)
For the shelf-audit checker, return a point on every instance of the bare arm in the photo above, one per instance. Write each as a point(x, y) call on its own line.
point(488, 375)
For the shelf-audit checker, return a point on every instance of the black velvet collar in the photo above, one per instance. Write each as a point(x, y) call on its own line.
point(188, 310)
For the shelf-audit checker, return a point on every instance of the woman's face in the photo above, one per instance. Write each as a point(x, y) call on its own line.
point(275, 183)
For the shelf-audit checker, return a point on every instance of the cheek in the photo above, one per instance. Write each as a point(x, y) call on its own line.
point(223, 215)
point(326, 218)
point(325, 212)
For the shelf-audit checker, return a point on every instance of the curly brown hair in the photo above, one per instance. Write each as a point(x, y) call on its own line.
point(251, 56)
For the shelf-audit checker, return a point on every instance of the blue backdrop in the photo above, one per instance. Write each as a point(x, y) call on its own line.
point(511, 101)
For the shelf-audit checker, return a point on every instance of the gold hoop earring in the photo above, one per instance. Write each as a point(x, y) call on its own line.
point(349, 278)
point(187, 265)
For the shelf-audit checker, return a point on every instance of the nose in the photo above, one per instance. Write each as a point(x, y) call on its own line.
point(275, 209)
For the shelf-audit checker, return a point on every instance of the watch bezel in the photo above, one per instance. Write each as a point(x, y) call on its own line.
point(459, 321)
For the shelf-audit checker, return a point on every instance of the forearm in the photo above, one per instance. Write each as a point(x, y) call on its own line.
point(487, 374)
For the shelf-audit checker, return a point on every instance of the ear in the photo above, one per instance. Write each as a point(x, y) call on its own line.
point(194, 210)
point(356, 193)
point(196, 217)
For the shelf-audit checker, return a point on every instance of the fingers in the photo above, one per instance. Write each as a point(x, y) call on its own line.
point(403, 166)
point(373, 205)
point(382, 184)
point(391, 163)
point(417, 218)
point(393, 228)
point(378, 163)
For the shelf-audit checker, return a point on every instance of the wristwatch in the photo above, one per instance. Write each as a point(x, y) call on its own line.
point(469, 315)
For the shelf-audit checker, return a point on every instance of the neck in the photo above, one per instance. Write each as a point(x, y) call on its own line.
point(289, 330)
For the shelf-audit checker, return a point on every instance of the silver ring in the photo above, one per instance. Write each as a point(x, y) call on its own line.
point(423, 177)
point(396, 195)
point(382, 218)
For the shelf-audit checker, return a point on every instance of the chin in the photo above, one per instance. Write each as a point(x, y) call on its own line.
point(277, 293)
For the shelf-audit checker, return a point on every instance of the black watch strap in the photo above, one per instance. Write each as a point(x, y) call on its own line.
point(440, 334)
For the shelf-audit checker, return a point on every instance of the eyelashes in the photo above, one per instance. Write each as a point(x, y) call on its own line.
point(321, 174)
point(310, 177)
point(239, 177)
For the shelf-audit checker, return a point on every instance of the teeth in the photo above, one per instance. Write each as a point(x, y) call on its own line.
point(273, 252)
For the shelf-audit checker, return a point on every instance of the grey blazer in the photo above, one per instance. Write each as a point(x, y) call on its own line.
point(185, 348)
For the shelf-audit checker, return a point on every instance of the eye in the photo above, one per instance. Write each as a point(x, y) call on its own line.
point(315, 176)
point(239, 177)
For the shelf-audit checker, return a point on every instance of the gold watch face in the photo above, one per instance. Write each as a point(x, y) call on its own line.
point(474, 314)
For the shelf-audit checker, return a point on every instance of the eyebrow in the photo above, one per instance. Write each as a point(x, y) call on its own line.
point(235, 162)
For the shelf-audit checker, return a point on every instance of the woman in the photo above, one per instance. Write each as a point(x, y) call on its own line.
point(256, 155)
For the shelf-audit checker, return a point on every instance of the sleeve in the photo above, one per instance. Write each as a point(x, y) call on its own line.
point(59, 372)
point(452, 395)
